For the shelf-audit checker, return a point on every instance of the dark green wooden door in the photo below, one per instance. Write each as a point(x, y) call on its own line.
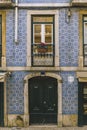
point(0, 38)
point(82, 104)
point(43, 100)
point(1, 104)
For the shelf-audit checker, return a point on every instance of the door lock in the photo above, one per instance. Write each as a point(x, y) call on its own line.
point(44, 102)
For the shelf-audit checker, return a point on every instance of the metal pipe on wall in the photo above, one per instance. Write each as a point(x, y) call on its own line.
point(16, 21)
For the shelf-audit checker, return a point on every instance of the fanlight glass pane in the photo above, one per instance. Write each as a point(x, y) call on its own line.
point(42, 19)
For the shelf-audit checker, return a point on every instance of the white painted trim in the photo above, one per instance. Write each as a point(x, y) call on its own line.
point(41, 12)
point(43, 5)
point(29, 40)
point(57, 38)
point(41, 69)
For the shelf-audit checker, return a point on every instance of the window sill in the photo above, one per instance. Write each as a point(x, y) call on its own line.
point(82, 68)
point(43, 68)
point(79, 3)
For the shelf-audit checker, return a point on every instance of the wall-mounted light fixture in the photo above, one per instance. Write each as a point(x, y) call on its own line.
point(68, 15)
point(9, 73)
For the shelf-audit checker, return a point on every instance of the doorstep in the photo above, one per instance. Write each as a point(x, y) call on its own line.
point(43, 127)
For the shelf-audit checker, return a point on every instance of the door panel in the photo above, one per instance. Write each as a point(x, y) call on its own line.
point(82, 102)
point(35, 97)
point(43, 100)
point(85, 103)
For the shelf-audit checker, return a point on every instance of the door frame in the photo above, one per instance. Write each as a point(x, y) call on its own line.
point(59, 89)
point(3, 77)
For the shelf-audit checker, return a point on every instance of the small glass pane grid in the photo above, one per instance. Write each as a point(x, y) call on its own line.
point(42, 41)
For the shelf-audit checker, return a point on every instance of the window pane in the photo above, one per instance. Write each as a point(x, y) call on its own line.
point(85, 32)
point(37, 33)
point(85, 49)
point(48, 34)
point(85, 18)
point(42, 19)
point(42, 47)
point(85, 60)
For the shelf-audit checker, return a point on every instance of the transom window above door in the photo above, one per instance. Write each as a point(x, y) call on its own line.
point(43, 44)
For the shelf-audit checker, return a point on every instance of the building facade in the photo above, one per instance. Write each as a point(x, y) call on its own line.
point(43, 66)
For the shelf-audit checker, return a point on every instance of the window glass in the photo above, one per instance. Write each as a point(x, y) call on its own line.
point(48, 33)
point(42, 41)
point(85, 32)
point(42, 19)
point(37, 33)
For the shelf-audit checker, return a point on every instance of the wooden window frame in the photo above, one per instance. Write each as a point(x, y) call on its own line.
point(56, 37)
point(42, 40)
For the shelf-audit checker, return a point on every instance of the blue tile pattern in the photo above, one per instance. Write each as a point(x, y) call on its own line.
point(16, 53)
point(10, 38)
point(69, 93)
point(44, 1)
point(16, 56)
point(68, 38)
point(15, 93)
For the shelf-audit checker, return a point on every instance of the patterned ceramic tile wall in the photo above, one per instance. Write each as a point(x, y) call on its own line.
point(44, 1)
point(10, 38)
point(15, 93)
point(16, 56)
point(70, 93)
point(68, 38)
point(16, 53)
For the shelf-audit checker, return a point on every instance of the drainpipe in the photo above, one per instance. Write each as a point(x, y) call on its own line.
point(16, 21)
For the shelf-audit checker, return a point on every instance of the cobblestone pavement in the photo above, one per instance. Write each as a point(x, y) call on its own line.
point(44, 128)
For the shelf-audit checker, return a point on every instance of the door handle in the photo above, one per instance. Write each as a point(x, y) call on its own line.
point(44, 102)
